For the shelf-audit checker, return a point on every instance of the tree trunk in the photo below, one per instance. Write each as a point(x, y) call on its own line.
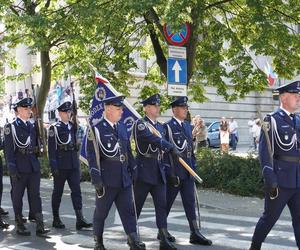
point(43, 92)
point(45, 83)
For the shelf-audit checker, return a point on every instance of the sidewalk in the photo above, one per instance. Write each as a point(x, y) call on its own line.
point(210, 199)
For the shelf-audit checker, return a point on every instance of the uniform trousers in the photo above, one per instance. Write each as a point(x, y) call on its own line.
point(273, 210)
point(72, 176)
point(187, 192)
point(124, 203)
point(158, 193)
point(30, 181)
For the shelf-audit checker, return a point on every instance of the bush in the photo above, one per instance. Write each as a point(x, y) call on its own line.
point(229, 173)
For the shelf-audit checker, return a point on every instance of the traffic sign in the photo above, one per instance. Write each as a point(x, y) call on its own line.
point(177, 38)
point(177, 71)
point(177, 90)
point(177, 52)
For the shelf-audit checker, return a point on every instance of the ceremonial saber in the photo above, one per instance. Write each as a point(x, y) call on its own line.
point(135, 212)
point(183, 163)
point(198, 206)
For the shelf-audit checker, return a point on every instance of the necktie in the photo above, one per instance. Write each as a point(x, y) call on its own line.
point(293, 118)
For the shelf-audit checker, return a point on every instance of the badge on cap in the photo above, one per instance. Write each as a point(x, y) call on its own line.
point(141, 127)
point(7, 130)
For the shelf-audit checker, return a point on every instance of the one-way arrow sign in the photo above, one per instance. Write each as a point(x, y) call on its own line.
point(177, 71)
point(176, 68)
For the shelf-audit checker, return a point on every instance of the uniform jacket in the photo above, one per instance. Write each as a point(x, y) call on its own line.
point(17, 134)
point(117, 164)
point(284, 135)
point(181, 137)
point(62, 155)
point(150, 148)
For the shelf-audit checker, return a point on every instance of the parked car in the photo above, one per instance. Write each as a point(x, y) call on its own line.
point(213, 134)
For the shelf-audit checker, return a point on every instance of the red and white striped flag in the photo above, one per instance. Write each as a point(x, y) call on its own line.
point(99, 78)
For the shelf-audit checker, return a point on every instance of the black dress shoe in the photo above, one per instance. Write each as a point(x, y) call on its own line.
point(99, 243)
point(164, 243)
point(21, 229)
point(197, 238)
point(31, 217)
point(57, 223)
point(40, 229)
point(3, 212)
point(3, 224)
point(171, 238)
point(24, 220)
point(80, 221)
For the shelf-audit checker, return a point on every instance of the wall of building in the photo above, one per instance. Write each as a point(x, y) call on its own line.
point(254, 104)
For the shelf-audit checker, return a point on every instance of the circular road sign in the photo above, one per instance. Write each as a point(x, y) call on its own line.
point(177, 38)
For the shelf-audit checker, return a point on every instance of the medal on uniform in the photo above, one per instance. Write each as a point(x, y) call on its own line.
point(108, 144)
point(286, 137)
point(178, 141)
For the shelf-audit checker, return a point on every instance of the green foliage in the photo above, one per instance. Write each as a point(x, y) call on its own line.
point(225, 37)
point(45, 168)
point(149, 90)
point(229, 173)
point(85, 172)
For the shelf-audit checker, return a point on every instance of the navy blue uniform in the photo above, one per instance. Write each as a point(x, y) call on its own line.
point(181, 137)
point(21, 149)
point(116, 168)
point(283, 171)
point(63, 157)
point(151, 169)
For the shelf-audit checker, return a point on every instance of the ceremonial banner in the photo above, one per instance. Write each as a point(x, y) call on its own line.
point(104, 90)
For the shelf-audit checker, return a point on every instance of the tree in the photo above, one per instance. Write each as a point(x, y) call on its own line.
point(225, 36)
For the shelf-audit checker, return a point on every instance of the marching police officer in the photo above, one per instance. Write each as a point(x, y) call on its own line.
point(179, 132)
point(279, 154)
point(3, 224)
point(21, 151)
point(151, 172)
point(64, 163)
point(112, 167)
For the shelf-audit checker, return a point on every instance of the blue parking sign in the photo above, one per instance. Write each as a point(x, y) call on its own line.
point(177, 71)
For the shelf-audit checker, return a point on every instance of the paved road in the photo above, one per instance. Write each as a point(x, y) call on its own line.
point(226, 219)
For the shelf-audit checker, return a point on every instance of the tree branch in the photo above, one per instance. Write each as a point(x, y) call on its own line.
point(12, 8)
point(217, 3)
point(284, 14)
point(47, 4)
point(160, 57)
